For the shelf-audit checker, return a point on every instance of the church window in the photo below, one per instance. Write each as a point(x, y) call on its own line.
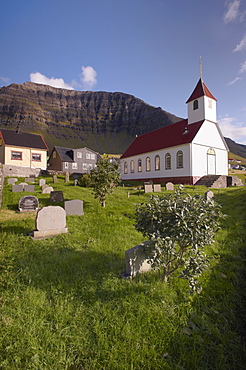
point(180, 159)
point(157, 163)
point(195, 104)
point(168, 161)
point(140, 165)
point(125, 168)
point(132, 166)
point(148, 167)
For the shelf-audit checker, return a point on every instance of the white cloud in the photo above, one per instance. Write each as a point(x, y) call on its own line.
point(6, 80)
point(243, 67)
point(234, 81)
point(88, 77)
point(39, 78)
point(232, 11)
point(233, 129)
point(241, 45)
point(87, 80)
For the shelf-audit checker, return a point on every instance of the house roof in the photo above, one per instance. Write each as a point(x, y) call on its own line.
point(66, 154)
point(200, 90)
point(23, 139)
point(179, 133)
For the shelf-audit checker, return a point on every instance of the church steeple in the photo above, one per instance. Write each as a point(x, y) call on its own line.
point(201, 104)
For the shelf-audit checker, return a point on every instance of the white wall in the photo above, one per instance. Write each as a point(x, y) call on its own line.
point(206, 110)
point(173, 172)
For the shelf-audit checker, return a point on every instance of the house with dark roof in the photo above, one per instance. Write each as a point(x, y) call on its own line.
point(182, 152)
point(80, 160)
point(23, 149)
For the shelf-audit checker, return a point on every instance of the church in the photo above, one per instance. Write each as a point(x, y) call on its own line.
point(183, 152)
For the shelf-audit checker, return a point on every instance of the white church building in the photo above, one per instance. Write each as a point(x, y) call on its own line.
point(182, 152)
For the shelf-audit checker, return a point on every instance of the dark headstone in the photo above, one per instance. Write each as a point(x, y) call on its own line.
point(56, 196)
point(28, 203)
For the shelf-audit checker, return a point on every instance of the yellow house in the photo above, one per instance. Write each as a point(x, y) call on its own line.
point(23, 149)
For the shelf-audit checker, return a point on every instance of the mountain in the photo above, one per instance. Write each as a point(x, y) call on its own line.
point(238, 149)
point(103, 121)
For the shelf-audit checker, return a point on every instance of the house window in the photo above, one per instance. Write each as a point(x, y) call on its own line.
point(16, 155)
point(139, 165)
point(157, 163)
point(66, 165)
point(79, 155)
point(93, 156)
point(88, 156)
point(132, 166)
point(180, 159)
point(168, 161)
point(195, 104)
point(148, 167)
point(74, 166)
point(125, 168)
point(36, 157)
point(54, 154)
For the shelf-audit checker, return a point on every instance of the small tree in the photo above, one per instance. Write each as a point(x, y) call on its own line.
point(104, 179)
point(178, 227)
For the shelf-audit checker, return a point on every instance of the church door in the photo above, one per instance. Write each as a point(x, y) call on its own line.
point(211, 161)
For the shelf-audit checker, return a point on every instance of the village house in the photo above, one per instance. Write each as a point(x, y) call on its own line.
point(182, 152)
point(81, 160)
point(21, 149)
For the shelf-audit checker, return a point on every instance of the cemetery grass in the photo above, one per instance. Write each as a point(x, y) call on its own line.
point(64, 304)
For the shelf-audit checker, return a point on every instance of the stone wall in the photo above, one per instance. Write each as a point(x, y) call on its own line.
point(17, 171)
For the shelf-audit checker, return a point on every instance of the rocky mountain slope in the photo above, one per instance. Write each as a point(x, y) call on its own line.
point(103, 121)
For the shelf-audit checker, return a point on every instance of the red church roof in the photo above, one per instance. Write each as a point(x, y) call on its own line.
point(169, 136)
point(200, 90)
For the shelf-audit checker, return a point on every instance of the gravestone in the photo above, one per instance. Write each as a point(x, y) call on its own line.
point(17, 188)
point(42, 182)
point(50, 221)
point(75, 182)
point(67, 177)
point(169, 186)
point(30, 179)
point(157, 188)
point(28, 203)
point(29, 188)
point(136, 261)
point(148, 188)
point(12, 181)
point(209, 195)
point(55, 179)
point(47, 190)
point(23, 184)
point(56, 196)
point(44, 186)
point(74, 207)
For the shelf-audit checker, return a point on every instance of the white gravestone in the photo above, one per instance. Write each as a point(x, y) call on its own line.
point(47, 190)
point(148, 188)
point(136, 261)
point(74, 207)
point(42, 182)
point(169, 186)
point(157, 188)
point(50, 221)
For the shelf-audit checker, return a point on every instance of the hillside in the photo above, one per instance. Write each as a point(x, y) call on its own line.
point(104, 121)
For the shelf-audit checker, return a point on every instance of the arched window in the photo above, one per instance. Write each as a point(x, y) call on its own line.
point(180, 159)
point(195, 104)
point(157, 163)
point(139, 165)
point(132, 166)
point(168, 161)
point(148, 167)
point(125, 168)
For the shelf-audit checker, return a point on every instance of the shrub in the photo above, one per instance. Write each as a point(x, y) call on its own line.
point(84, 181)
point(178, 227)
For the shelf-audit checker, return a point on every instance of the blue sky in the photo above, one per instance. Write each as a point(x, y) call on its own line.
point(148, 48)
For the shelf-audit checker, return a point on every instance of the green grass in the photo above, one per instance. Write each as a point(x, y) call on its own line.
point(65, 306)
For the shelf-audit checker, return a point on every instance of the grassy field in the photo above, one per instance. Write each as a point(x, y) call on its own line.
point(65, 306)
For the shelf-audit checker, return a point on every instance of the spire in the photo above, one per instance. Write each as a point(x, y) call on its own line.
point(200, 67)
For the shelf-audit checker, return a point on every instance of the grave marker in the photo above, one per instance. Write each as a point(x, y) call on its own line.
point(17, 188)
point(136, 261)
point(148, 188)
point(29, 188)
point(56, 196)
point(74, 207)
point(12, 181)
point(47, 190)
point(157, 188)
point(28, 203)
point(169, 186)
point(42, 182)
point(50, 221)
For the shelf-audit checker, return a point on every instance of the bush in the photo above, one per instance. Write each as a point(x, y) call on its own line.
point(84, 181)
point(178, 227)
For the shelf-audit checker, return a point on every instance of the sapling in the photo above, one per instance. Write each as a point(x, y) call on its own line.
point(178, 227)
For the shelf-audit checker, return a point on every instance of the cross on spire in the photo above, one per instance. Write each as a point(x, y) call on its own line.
point(200, 67)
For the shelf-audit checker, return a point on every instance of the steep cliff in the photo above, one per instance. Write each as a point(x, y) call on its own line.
point(106, 122)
